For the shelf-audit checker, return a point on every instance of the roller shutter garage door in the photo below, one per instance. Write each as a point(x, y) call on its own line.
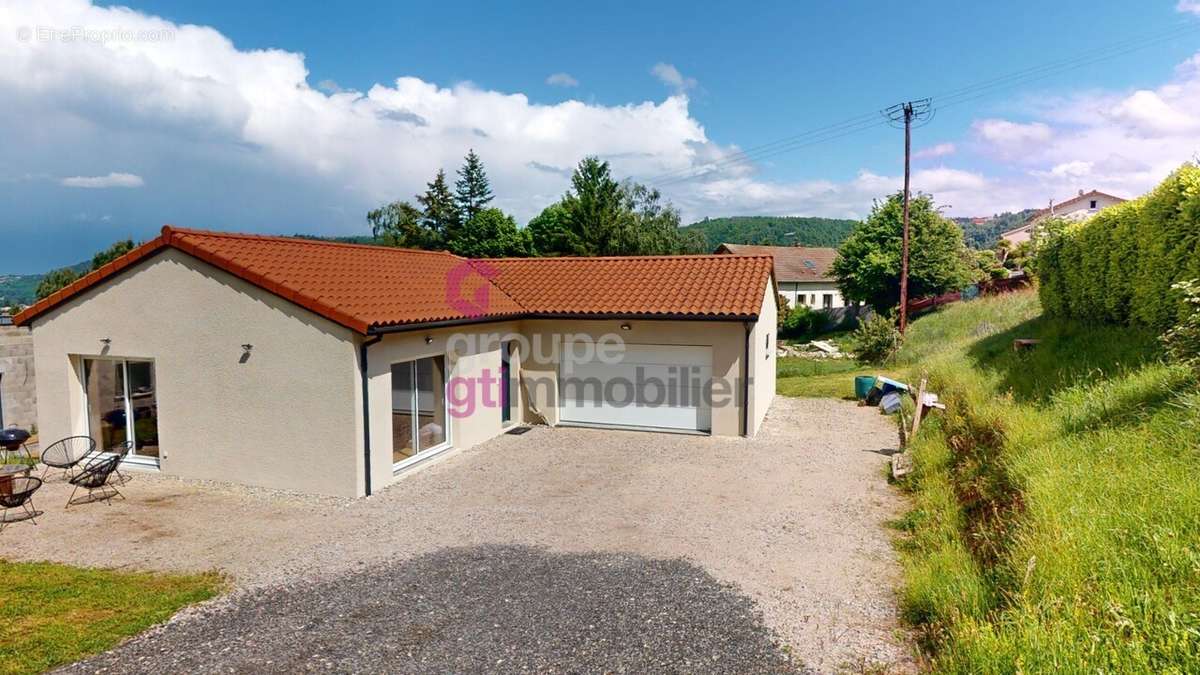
point(654, 387)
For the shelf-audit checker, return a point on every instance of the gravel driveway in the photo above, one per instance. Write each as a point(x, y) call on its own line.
point(558, 549)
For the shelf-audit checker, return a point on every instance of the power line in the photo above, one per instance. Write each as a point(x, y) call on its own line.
point(947, 99)
point(904, 114)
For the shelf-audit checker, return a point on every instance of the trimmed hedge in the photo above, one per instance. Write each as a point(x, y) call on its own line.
point(1118, 266)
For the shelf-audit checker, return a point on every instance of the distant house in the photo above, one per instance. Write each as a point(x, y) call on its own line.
point(801, 272)
point(1084, 205)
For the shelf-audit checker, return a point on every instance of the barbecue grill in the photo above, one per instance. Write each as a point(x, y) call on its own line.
point(12, 438)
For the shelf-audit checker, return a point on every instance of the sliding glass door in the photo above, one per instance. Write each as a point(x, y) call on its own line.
point(122, 405)
point(418, 408)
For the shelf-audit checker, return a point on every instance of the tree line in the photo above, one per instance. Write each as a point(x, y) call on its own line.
point(598, 215)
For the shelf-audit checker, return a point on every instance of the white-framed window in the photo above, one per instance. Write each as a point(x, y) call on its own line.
point(420, 423)
point(121, 400)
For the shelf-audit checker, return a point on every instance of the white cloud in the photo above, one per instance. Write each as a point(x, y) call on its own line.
point(1147, 113)
point(199, 100)
point(939, 150)
point(562, 80)
point(1188, 6)
point(1011, 138)
point(112, 180)
point(1075, 169)
point(670, 76)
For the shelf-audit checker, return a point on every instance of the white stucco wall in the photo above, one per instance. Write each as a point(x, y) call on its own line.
point(811, 293)
point(762, 362)
point(285, 417)
point(469, 350)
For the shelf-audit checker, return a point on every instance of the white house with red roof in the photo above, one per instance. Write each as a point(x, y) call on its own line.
point(1082, 206)
point(332, 368)
point(802, 273)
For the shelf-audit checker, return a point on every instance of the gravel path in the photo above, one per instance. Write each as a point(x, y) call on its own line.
point(478, 609)
point(792, 518)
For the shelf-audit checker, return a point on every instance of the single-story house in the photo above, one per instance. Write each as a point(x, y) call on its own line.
point(331, 368)
point(1082, 206)
point(802, 273)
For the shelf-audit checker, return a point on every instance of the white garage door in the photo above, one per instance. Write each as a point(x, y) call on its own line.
point(651, 387)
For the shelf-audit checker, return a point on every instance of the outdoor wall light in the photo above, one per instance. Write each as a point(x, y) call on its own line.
point(626, 326)
point(106, 341)
point(247, 347)
point(428, 339)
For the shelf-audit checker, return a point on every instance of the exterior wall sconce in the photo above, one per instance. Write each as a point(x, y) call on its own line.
point(428, 339)
point(626, 326)
point(247, 347)
point(106, 341)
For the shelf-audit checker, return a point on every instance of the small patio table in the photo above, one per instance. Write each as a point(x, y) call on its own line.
point(10, 471)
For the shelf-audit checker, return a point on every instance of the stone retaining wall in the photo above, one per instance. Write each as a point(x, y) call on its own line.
point(18, 392)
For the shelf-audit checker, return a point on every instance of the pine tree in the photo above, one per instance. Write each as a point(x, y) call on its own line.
point(472, 191)
point(440, 213)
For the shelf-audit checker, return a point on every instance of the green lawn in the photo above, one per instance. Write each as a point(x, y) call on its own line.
point(54, 614)
point(1056, 521)
point(820, 378)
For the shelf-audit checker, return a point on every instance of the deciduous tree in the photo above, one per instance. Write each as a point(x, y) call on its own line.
point(868, 264)
point(490, 233)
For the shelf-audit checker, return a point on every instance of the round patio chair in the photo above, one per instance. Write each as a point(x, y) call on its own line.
point(16, 492)
point(121, 450)
point(95, 480)
point(66, 454)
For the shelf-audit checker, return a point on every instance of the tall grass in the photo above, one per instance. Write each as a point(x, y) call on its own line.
point(1056, 520)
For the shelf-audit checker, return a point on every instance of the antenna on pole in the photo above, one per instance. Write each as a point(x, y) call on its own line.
point(904, 115)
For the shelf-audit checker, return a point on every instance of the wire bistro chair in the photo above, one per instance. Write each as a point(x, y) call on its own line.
point(16, 492)
point(121, 450)
point(95, 479)
point(66, 454)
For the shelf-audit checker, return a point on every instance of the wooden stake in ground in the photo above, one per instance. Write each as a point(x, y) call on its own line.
point(920, 408)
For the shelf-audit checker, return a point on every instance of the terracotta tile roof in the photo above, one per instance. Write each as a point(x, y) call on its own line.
point(694, 285)
point(792, 263)
point(370, 287)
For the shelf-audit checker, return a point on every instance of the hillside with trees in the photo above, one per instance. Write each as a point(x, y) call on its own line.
point(985, 234)
point(773, 231)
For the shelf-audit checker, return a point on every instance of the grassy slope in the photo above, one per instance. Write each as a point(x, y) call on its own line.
point(1057, 510)
point(55, 614)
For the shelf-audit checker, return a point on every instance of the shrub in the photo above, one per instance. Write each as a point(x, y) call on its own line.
point(1119, 265)
point(1183, 340)
point(876, 340)
point(802, 321)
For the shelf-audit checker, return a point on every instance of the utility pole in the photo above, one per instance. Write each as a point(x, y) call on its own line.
point(905, 113)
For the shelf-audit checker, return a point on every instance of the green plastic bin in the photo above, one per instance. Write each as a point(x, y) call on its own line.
point(862, 385)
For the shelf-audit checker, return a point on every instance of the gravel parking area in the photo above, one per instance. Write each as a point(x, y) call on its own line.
point(791, 521)
point(475, 610)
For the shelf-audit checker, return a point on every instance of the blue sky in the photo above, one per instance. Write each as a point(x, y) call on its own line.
point(290, 118)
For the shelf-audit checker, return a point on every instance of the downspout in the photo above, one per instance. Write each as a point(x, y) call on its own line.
point(746, 383)
point(366, 411)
